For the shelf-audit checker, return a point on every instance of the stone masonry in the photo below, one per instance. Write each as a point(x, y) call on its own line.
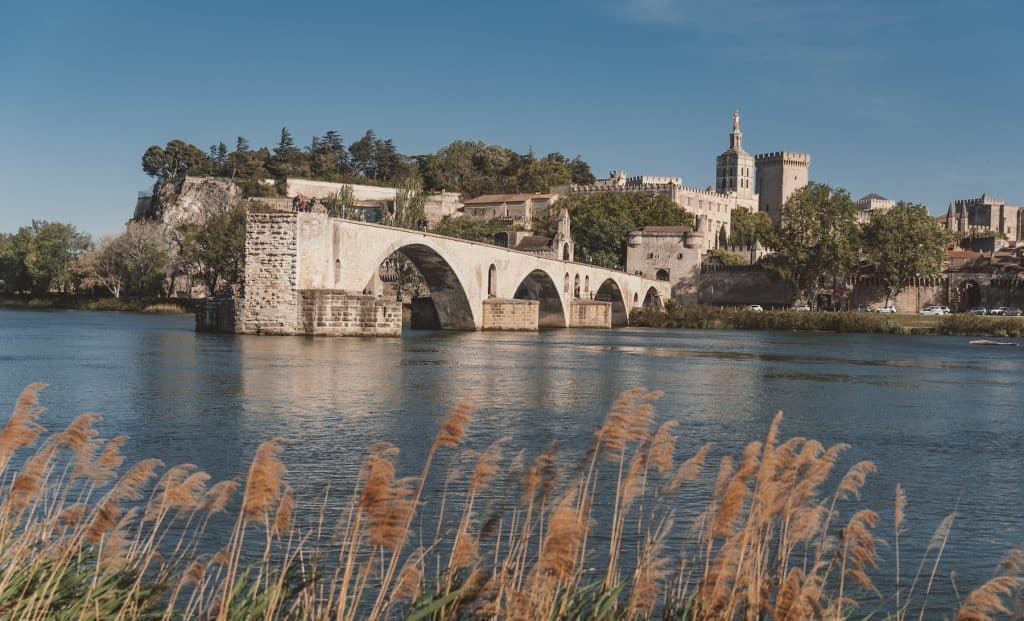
point(502, 314)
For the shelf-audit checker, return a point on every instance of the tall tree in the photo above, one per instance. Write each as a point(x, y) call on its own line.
point(601, 222)
point(364, 153)
point(748, 228)
point(177, 157)
point(902, 243)
point(818, 239)
point(214, 250)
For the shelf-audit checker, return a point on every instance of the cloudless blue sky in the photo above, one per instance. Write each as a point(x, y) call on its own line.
point(919, 99)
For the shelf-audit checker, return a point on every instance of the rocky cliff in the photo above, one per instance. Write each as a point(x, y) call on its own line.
point(188, 199)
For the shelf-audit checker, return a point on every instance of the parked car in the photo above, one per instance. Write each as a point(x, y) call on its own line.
point(862, 309)
point(945, 310)
point(755, 308)
point(999, 310)
point(1013, 312)
point(886, 310)
point(802, 307)
point(932, 310)
point(978, 310)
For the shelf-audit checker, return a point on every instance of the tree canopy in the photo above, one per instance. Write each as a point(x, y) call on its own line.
point(134, 263)
point(602, 221)
point(904, 242)
point(214, 250)
point(818, 238)
point(39, 257)
point(749, 228)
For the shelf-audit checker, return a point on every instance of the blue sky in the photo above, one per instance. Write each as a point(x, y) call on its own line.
point(916, 100)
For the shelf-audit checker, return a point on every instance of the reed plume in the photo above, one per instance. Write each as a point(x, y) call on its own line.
point(265, 482)
point(22, 428)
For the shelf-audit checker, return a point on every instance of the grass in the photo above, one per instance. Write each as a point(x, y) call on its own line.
point(81, 536)
point(71, 302)
point(164, 308)
point(675, 315)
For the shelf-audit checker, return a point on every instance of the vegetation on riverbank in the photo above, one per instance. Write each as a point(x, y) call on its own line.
point(515, 537)
point(675, 315)
point(72, 302)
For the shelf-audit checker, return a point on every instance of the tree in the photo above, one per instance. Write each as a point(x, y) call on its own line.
point(602, 221)
point(40, 257)
point(363, 154)
point(748, 228)
point(176, 158)
point(214, 250)
point(135, 262)
point(818, 238)
point(471, 229)
point(723, 239)
point(13, 277)
point(902, 243)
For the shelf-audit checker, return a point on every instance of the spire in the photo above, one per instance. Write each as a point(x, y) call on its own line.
point(736, 137)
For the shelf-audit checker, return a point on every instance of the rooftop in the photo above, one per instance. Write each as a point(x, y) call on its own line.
point(508, 198)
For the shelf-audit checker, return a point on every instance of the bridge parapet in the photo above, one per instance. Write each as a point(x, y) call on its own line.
point(307, 270)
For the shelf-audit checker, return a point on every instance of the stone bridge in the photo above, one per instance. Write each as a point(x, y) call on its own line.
point(307, 273)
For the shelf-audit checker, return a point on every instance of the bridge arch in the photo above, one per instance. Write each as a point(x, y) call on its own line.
point(653, 299)
point(537, 285)
point(454, 311)
point(609, 291)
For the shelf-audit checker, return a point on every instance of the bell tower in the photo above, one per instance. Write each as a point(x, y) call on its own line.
point(734, 169)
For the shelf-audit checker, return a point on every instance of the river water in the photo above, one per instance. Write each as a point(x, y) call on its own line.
point(939, 416)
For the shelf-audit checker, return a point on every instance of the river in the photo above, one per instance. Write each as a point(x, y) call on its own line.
point(939, 416)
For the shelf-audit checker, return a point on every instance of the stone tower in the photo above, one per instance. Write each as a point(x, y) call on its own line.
point(563, 242)
point(779, 174)
point(734, 169)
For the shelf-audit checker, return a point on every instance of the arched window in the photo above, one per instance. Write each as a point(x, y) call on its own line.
point(337, 271)
point(565, 252)
point(661, 275)
point(586, 283)
point(636, 299)
point(576, 287)
point(492, 281)
point(567, 282)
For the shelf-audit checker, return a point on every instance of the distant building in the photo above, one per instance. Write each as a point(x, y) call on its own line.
point(779, 174)
point(985, 215)
point(515, 209)
point(561, 246)
point(668, 253)
point(870, 205)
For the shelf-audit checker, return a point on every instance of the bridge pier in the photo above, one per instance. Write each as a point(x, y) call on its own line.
point(504, 314)
point(590, 314)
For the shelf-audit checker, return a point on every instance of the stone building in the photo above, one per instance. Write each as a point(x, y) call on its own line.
point(516, 209)
point(711, 209)
point(779, 174)
point(734, 169)
point(985, 214)
point(561, 246)
point(871, 204)
point(667, 253)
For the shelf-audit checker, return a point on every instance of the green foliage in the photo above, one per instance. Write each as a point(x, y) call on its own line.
point(818, 238)
point(178, 157)
point(726, 258)
point(905, 242)
point(214, 250)
point(748, 228)
point(471, 229)
point(675, 315)
point(40, 257)
point(602, 221)
point(980, 325)
point(475, 168)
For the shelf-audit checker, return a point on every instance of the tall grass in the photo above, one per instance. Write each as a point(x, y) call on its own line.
point(81, 536)
point(675, 315)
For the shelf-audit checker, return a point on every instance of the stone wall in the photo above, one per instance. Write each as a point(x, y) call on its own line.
point(503, 314)
point(742, 286)
point(218, 314)
point(590, 314)
point(325, 312)
point(437, 206)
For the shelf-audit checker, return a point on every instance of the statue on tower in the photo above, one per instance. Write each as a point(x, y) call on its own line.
point(736, 120)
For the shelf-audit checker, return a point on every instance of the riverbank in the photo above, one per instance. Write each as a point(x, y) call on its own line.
point(97, 304)
point(708, 317)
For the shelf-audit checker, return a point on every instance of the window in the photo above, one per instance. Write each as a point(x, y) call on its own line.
point(679, 256)
point(650, 255)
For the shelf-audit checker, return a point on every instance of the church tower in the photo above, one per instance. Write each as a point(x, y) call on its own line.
point(563, 242)
point(734, 169)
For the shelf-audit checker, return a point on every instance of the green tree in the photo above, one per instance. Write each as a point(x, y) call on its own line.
point(135, 263)
point(902, 243)
point(213, 251)
point(748, 228)
point(13, 248)
point(176, 158)
point(470, 228)
point(39, 258)
point(601, 222)
point(818, 239)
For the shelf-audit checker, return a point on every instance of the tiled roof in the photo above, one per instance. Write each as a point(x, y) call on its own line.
point(963, 254)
